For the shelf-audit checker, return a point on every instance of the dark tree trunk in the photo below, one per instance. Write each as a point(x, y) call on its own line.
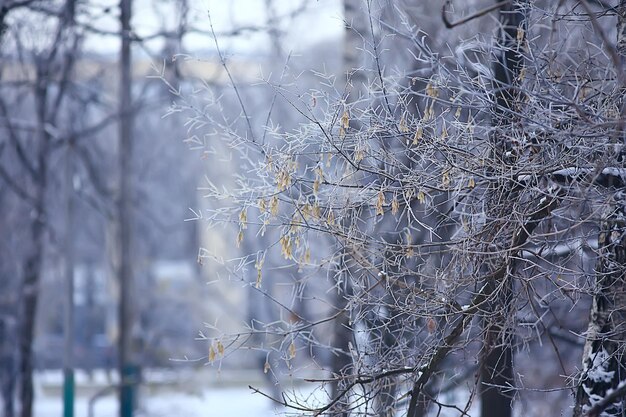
point(28, 314)
point(604, 364)
point(29, 293)
point(7, 366)
point(48, 90)
point(496, 369)
point(496, 365)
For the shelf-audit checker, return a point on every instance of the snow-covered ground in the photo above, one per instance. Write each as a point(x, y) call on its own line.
point(214, 402)
point(198, 393)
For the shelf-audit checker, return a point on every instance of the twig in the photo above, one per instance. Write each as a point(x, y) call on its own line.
point(282, 402)
point(471, 17)
point(610, 48)
point(232, 81)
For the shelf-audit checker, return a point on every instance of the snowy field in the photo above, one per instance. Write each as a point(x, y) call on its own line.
point(214, 402)
point(167, 394)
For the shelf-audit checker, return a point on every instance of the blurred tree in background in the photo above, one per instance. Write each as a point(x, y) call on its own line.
point(58, 150)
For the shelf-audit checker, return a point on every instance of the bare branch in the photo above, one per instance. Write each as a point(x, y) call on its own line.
point(480, 13)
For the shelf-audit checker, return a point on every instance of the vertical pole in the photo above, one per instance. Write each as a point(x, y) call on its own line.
point(125, 314)
point(68, 357)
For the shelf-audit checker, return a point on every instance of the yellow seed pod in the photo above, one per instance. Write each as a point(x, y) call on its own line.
point(445, 179)
point(359, 155)
point(471, 183)
point(211, 353)
point(294, 225)
point(418, 135)
point(286, 246)
point(330, 219)
point(259, 278)
point(243, 218)
point(431, 90)
point(403, 128)
point(260, 261)
point(428, 113)
point(274, 205)
point(345, 120)
point(292, 350)
point(259, 266)
point(316, 212)
point(283, 179)
point(380, 202)
point(220, 348)
point(395, 205)
point(270, 163)
point(421, 197)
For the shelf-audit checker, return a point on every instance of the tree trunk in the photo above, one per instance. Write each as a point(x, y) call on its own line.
point(28, 314)
point(7, 366)
point(32, 267)
point(604, 363)
point(496, 368)
point(45, 114)
point(355, 28)
point(342, 337)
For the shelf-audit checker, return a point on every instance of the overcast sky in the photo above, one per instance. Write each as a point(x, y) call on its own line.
point(321, 21)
